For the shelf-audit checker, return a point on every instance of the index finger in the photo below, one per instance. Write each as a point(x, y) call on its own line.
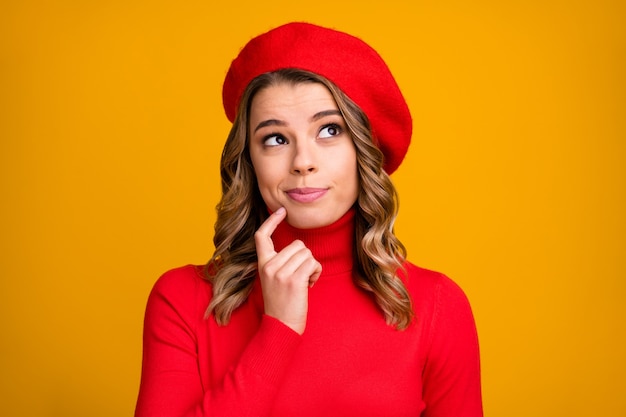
point(262, 237)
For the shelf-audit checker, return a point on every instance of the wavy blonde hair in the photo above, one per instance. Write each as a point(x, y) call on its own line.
point(241, 211)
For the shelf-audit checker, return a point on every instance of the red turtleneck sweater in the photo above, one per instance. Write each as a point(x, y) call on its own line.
point(348, 362)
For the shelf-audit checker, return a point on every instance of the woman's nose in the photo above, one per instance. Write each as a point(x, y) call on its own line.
point(304, 160)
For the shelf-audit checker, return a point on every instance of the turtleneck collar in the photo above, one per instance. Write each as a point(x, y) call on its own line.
point(331, 245)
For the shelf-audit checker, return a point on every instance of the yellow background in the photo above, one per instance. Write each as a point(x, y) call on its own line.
point(111, 128)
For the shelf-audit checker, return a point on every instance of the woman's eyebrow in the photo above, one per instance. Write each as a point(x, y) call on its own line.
point(270, 122)
point(324, 113)
point(316, 116)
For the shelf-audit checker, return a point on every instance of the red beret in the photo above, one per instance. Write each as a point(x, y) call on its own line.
point(347, 61)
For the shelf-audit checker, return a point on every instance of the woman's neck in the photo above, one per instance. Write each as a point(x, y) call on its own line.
point(332, 245)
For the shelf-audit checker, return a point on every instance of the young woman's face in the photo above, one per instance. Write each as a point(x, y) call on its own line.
point(303, 156)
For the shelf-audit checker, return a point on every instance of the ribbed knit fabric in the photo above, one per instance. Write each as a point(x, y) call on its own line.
point(348, 362)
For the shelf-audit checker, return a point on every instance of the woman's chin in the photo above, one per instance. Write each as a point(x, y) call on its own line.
point(304, 220)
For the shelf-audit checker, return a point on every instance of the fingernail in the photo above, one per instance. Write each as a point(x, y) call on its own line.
point(280, 211)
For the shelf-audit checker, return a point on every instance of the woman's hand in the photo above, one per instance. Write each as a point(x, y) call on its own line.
point(285, 276)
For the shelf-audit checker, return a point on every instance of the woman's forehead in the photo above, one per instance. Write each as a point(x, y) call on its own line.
point(292, 100)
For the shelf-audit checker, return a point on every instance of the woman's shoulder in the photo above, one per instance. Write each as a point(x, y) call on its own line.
point(419, 276)
point(183, 287)
point(427, 286)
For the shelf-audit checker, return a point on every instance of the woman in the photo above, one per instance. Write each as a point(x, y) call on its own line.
point(308, 306)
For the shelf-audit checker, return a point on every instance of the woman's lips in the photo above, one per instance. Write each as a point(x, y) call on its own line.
point(306, 195)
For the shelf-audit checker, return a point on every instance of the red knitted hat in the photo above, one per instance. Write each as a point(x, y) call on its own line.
point(347, 61)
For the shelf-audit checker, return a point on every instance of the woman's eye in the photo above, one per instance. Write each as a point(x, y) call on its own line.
point(274, 140)
point(329, 131)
